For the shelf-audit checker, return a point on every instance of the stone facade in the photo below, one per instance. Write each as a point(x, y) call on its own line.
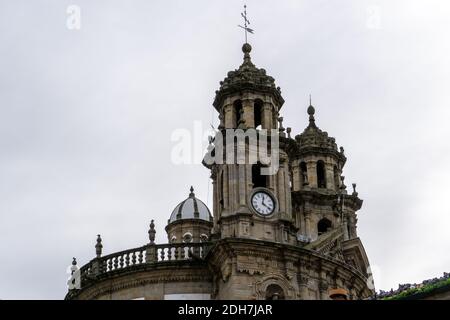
point(303, 246)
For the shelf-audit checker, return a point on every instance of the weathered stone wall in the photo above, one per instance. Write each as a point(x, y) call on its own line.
point(151, 284)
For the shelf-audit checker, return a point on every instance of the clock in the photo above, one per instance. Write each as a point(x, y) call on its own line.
point(263, 203)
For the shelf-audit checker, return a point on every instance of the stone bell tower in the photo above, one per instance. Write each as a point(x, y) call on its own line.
point(319, 195)
point(248, 202)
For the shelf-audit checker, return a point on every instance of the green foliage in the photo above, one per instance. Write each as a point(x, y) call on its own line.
point(425, 289)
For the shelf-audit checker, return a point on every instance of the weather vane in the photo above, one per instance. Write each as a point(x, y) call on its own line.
point(246, 23)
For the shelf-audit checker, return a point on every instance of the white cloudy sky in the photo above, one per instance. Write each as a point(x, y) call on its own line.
point(86, 118)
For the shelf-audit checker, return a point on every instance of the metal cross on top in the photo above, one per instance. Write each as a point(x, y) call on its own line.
point(246, 23)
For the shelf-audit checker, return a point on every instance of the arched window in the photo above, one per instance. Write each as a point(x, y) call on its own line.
point(321, 180)
point(303, 174)
point(257, 111)
point(238, 111)
point(274, 292)
point(204, 237)
point(258, 179)
point(323, 226)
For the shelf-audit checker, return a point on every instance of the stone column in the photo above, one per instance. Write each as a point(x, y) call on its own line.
point(308, 224)
point(274, 118)
point(216, 206)
point(312, 173)
point(235, 181)
point(273, 183)
point(225, 196)
point(249, 114)
point(329, 171)
point(266, 119)
point(323, 289)
point(323, 286)
point(295, 176)
point(231, 191)
point(303, 281)
point(281, 191)
point(242, 184)
point(248, 179)
point(352, 225)
point(230, 116)
point(287, 189)
point(345, 226)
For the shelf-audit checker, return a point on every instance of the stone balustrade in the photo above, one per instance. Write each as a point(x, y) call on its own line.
point(148, 254)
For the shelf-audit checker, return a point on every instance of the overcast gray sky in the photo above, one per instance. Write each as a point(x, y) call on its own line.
point(86, 118)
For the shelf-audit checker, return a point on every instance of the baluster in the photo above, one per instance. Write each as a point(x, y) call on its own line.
point(127, 260)
point(116, 263)
point(101, 267)
point(121, 261)
point(109, 264)
point(196, 250)
point(176, 253)
point(133, 258)
point(141, 257)
point(161, 254)
point(167, 253)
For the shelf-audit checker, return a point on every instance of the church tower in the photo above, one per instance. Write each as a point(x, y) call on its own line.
point(301, 203)
point(249, 203)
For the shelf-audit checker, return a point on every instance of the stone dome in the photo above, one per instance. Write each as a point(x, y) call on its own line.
point(312, 136)
point(247, 76)
point(191, 208)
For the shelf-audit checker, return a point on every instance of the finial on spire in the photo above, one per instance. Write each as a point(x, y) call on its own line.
point(192, 194)
point(311, 112)
point(246, 23)
point(281, 129)
point(74, 261)
point(354, 190)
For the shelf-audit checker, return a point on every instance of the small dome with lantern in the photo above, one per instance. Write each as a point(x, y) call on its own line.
point(191, 208)
point(312, 136)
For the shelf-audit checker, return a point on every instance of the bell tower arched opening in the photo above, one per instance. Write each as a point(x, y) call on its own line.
point(258, 180)
point(258, 109)
point(237, 109)
point(321, 175)
point(324, 225)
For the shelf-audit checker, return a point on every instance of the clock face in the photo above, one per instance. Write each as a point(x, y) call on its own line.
point(263, 203)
